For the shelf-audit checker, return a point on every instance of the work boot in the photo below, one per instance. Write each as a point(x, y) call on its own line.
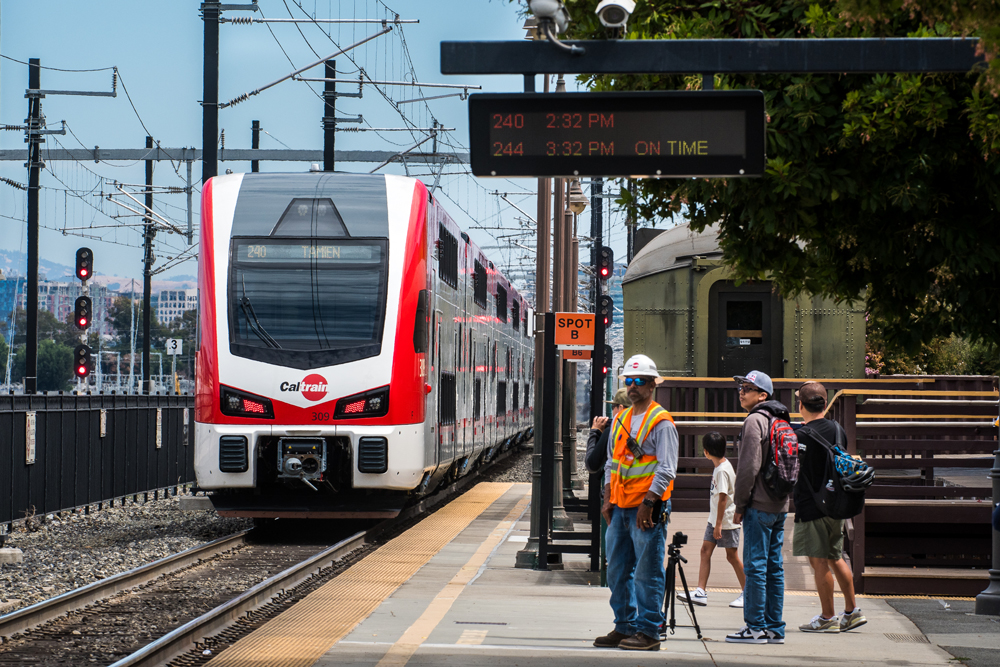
point(610, 640)
point(640, 642)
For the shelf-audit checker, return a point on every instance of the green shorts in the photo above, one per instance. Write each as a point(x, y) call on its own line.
point(822, 538)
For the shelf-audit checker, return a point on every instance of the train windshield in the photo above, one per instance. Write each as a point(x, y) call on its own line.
point(307, 302)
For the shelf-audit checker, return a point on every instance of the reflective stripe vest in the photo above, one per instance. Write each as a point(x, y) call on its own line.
point(631, 477)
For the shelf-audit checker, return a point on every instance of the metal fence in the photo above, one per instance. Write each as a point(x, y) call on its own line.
point(59, 452)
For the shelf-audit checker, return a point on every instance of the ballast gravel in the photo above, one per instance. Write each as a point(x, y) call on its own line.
point(75, 549)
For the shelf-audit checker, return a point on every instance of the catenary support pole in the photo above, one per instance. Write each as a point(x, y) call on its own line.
point(211, 11)
point(254, 144)
point(329, 115)
point(597, 236)
point(527, 557)
point(147, 272)
point(34, 123)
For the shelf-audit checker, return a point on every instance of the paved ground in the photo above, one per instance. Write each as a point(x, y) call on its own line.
point(497, 615)
point(953, 626)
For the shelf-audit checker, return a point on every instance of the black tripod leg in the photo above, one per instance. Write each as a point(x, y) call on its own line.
point(668, 595)
point(690, 603)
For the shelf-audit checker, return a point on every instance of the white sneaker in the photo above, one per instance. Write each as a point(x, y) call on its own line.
point(747, 636)
point(698, 597)
point(738, 602)
point(773, 638)
point(820, 624)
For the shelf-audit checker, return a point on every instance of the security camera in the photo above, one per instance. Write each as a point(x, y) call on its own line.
point(615, 13)
point(552, 10)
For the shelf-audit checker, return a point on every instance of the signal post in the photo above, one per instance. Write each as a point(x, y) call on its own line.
point(83, 316)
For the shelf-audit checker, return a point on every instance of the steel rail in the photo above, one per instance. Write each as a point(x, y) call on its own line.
point(47, 610)
point(186, 637)
point(182, 639)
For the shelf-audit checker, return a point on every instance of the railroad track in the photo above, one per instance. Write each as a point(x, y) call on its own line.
point(178, 608)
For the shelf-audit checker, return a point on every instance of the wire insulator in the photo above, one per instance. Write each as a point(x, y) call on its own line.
point(13, 128)
point(13, 184)
point(222, 138)
point(241, 20)
point(114, 81)
point(236, 100)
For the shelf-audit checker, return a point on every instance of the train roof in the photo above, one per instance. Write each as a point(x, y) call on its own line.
point(673, 249)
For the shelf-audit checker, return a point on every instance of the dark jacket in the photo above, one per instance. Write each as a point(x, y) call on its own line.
point(812, 465)
point(597, 451)
point(752, 445)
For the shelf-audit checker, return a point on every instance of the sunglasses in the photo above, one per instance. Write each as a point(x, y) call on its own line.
point(639, 382)
point(746, 388)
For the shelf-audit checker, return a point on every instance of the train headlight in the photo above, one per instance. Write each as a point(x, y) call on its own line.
point(236, 403)
point(374, 403)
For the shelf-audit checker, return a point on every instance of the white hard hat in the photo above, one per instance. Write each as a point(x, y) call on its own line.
point(639, 365)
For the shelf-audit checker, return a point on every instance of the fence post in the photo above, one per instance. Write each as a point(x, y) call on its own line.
point(988, 602)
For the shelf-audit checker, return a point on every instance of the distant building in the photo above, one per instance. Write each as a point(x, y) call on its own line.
point(171, 304)
point(10, 289)
point(60, 299)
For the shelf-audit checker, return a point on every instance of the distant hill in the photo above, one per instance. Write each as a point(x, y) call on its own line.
point(14, 263)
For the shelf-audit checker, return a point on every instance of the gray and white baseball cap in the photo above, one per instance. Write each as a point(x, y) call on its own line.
point(760, 380)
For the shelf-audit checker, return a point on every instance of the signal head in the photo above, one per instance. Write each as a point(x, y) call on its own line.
point(605, 262)
point(606, 309)
point(83, 312)
point(81, 361)
point(84, 264)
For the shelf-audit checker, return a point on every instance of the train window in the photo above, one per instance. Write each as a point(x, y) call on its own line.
point(448, 256)
point(310, 217)
point(477, 399)
point(480, 288)
point(501, 303)
point(447, 399)
point(515, 314)
point(493, 369)
point(501, 398)
point(744, 323)
point(306, 303)
point(527, 394)
point(506, 370)
point(420, 323)
point(514, 396)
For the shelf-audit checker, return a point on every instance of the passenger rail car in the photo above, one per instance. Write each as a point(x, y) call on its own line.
point(356, 348)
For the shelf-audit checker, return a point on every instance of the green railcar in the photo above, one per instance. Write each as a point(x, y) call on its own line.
point(683, 309)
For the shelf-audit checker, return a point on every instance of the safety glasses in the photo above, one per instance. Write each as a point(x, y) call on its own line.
point(639, 382)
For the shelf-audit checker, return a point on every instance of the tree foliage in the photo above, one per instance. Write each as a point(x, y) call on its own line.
point(886, 183)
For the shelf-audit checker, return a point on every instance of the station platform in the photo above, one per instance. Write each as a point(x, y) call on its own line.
point(446, 592)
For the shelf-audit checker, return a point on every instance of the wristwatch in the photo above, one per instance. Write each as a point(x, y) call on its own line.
point(648, 503)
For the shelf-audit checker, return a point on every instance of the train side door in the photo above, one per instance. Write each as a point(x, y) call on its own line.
point(746, 332)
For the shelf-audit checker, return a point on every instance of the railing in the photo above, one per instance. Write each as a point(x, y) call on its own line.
point(909, 428)
point(59, 452)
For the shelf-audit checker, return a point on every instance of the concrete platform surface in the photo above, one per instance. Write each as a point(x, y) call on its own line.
point(462, 609)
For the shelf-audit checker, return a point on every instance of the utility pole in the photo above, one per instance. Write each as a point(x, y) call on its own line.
point(211, 12)
point(329, 114)
point(35, 164)
point(255, 144)
point(600, 334)
point(147, 272)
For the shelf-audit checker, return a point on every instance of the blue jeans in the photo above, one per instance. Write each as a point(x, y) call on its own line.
point(636, 575)
point(764, 594)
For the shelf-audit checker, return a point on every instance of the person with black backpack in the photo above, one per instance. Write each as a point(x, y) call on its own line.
point(765, 475)
point(818, 536)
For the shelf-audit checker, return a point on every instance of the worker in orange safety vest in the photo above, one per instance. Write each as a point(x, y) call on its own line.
point(638, 478)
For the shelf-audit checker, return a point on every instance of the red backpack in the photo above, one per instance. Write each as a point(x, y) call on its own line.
point(780, 469)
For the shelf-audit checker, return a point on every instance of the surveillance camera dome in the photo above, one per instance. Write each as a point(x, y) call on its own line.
point(553, 10)
point(615, 13)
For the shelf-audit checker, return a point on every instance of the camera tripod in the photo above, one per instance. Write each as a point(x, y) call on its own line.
point(674, 560)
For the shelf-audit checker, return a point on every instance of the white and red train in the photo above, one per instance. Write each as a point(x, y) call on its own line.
point(356, 348)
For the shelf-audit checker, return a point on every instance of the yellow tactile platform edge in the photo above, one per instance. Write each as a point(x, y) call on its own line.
point(301, 635)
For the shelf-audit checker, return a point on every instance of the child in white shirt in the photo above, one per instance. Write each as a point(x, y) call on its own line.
point(721, 531)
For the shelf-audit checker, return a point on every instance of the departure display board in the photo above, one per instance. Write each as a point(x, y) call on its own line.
point(661, 134)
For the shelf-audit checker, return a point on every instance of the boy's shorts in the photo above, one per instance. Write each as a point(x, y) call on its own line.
point(822, 538)
point(730, 538)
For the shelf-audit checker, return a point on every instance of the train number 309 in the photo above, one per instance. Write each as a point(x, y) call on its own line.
point(321, 416)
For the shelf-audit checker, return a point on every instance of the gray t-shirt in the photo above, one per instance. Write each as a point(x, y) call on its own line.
point(661, 442)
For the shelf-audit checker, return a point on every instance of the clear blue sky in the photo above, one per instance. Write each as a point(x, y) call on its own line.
point(157, 48)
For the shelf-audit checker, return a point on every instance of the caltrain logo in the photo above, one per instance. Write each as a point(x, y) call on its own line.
point(313, 387)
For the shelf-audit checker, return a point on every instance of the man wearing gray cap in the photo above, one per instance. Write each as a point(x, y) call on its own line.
point(597, 441)
point(762, 516)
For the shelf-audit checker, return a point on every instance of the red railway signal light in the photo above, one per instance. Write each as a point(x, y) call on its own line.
point(84, 264)
point(606, 310)
point(82, 362)
point(609, 359)
point(605, 262)
point(83, 312)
